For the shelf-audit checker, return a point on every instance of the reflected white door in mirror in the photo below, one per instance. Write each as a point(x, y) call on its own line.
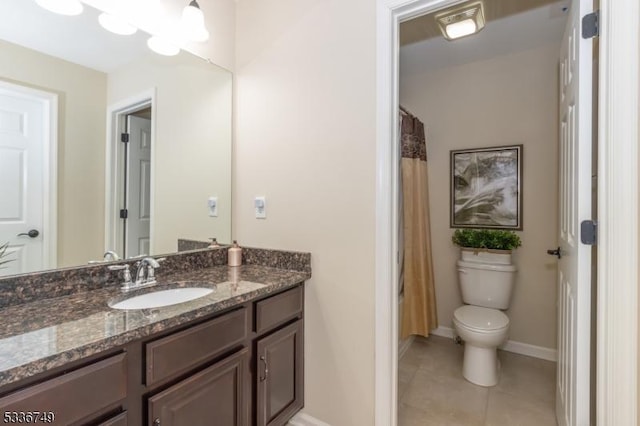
point(137, 186)
point(129, 197)
point(27, 178)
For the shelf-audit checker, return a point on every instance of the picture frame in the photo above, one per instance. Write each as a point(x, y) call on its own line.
point(486, 188)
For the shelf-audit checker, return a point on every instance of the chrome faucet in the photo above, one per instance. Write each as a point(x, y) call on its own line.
point(145, 274)
point(110, 255)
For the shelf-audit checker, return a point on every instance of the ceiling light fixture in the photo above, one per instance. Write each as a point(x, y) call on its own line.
point(461, 21)
point(62, 7)
point(116, 24)
point(163, 46)
point(192, 23)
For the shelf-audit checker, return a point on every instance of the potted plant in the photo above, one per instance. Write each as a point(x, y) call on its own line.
point(486, 245)
point(4, 254)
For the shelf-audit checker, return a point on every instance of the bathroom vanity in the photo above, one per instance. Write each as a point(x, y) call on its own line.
point(234, 357)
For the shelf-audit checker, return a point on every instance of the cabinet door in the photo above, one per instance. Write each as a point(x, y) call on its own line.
point(215, 396)
point(279, 375)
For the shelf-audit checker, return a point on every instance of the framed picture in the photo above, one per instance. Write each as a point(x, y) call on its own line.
point(486, 188)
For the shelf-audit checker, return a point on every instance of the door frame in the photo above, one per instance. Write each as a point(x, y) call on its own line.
point(617, 319)
point(617, 311)
point(116, 120)
point(50, 168)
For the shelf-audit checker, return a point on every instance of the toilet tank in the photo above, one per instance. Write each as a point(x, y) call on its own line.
point(486, 284)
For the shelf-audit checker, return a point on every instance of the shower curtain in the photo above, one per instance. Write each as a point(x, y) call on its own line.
point(419, 307)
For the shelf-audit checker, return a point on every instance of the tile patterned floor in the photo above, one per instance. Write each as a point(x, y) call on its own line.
point(432, 391)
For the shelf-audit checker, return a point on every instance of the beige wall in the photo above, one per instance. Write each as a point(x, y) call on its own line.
point(81, 94)
point(305, 139)
point(192, 152)
point(506, 100)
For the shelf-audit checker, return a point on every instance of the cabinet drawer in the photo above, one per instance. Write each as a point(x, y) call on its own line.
point(119, 420)
point(179, 352)
point(278, 309)
point(76, 395)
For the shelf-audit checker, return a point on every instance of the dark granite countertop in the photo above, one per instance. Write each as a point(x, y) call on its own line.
point(48, 333)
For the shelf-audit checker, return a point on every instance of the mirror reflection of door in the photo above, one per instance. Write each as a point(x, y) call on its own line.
point(136, 192)
point(26, 146)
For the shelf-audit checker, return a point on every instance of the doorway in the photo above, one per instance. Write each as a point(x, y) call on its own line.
point(28, 176)
point(130, 169)
point(490, 90)
point(617, 208)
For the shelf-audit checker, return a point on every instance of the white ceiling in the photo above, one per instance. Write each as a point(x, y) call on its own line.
point(522, 31)
point(78, 39)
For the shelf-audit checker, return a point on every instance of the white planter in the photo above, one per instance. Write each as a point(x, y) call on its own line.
point(498, 257)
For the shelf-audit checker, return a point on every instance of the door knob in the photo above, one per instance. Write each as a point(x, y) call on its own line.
point(31, 234)
point(555, 252)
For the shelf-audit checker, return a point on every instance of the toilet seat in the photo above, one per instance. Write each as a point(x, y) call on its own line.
point(481, 320)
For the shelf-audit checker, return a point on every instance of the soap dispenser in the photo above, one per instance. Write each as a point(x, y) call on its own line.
point(235, 254)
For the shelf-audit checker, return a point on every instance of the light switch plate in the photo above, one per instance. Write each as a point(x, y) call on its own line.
point(212, 203)
point(260, 205)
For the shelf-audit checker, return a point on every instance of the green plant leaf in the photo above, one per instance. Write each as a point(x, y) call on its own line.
point(494, 239)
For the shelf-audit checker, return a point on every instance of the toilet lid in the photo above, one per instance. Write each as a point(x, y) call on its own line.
point(479, 318)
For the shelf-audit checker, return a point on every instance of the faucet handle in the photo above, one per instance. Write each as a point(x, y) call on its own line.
point(151, 267)
point(126, 274)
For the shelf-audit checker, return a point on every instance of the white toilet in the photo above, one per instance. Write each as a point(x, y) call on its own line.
point(486, 284)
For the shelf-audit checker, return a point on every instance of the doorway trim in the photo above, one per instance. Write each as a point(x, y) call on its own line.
point(617, 311)
point(50, 166)
point(617, 208)
point(116, 117)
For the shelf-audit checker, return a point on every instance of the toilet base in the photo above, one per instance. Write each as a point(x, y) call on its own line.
point(481, 365)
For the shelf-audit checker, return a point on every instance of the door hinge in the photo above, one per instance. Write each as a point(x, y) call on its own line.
point(124, 137)
point(124, 213)
point(589, 232)
point(590, 25)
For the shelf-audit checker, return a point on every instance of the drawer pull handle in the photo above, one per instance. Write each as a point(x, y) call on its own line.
point(266, 369)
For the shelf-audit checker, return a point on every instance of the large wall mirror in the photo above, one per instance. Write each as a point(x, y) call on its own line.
point(71, 187)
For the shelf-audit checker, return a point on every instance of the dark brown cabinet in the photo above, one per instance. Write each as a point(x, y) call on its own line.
point(76, 397)
point(179, 352)
point(279, 393)
point(216, 396)
point(241, 367)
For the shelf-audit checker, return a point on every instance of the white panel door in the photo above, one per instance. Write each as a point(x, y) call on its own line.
point(21, 180)
point(138, 187)
point(574, 266)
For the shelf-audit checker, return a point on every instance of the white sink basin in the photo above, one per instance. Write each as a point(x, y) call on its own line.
point(161, 298)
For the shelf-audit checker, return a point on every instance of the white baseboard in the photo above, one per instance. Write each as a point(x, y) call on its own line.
point(530, 350)
point(302, 419)
point(510, 346)
point(404, 345)
point(444, 332)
